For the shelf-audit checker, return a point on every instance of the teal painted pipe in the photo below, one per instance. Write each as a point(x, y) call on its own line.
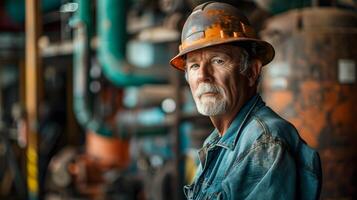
point(15, 9)
point(82, 23)
point(112, 45)
point(84, 15)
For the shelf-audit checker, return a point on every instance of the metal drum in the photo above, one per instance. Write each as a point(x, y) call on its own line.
point(312, 84)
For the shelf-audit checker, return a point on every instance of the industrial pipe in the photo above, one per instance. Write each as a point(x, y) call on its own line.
point(112, 45)
point(82, 23)
point(83, 32)
point(15, 9)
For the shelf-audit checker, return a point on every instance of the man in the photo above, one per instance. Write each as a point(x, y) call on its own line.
point(252, 153)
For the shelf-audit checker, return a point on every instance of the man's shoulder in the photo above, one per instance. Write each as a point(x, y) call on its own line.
point(278, 129)
point(308, 160)
point(265, 126)
point(271, 124)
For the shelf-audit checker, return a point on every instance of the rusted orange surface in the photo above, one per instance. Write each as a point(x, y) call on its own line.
point(322, 108)
point(108, 151)
point(282, 98)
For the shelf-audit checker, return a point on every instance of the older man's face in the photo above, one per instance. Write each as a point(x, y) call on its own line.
point(216, 83)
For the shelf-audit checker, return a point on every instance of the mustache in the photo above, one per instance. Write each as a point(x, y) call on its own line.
point(207, 88)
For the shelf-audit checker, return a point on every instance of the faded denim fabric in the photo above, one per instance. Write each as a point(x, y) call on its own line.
point(261, 156)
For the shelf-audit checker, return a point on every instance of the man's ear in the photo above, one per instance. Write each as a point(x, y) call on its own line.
point(186, 76)
point(254, 72)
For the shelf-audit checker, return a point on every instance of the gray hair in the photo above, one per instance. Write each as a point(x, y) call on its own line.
point(244, 61)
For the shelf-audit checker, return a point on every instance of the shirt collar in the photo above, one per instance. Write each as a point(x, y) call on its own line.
point(232, 134)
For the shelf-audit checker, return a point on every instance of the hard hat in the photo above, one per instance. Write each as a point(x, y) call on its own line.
point(214, 23)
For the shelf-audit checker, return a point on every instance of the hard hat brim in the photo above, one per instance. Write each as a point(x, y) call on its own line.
point(264, 51)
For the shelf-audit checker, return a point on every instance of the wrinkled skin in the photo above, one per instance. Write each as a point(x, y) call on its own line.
point(221, 66)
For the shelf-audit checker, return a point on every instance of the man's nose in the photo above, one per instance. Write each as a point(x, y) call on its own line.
point(205, 72)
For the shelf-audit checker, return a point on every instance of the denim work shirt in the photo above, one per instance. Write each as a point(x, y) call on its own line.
point(261, 156)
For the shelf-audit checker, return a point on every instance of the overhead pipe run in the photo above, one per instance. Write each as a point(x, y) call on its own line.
point(112, 47)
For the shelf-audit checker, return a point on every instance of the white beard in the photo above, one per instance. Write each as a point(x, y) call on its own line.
point(210, 105)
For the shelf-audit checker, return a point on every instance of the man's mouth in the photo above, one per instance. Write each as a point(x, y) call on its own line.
point(209, 94)
point(207, 90)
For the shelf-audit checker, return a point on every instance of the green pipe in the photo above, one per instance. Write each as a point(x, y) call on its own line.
point(112, 45)
point(15, 9)
point(83, 15)
point(82, 23)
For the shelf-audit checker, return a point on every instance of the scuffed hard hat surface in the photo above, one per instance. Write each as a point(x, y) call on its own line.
point(224, 16)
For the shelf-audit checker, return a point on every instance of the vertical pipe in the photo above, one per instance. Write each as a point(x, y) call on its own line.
point(82, 32)
point(32, 93)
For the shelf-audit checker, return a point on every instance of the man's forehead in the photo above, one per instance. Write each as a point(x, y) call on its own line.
point(225, 49)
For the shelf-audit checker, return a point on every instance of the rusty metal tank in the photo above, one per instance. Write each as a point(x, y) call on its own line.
point(312, 84)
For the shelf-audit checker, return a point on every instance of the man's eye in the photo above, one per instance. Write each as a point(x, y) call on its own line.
point(193, 66)
point(217, 61)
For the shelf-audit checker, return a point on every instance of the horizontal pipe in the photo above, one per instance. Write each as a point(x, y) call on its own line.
point(15, 9)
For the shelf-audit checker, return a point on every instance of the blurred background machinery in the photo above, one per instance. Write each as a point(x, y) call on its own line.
point(312, 83)
point(90, 109)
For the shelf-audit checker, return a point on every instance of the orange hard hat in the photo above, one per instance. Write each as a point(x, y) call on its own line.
point(214, 23)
